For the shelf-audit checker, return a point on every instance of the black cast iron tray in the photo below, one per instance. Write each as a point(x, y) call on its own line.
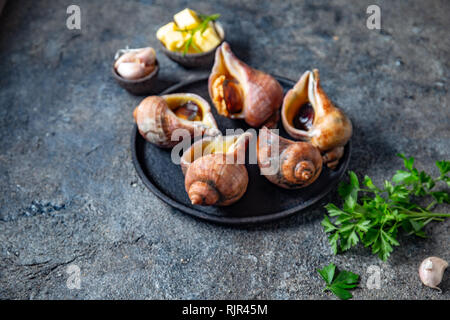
point(262, 202)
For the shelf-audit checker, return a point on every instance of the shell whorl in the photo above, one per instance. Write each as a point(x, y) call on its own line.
point(296, 167)
point(202, 193)
point(151, 118)
point(211, 181)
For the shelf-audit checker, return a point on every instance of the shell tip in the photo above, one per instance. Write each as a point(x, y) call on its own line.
point(196, 199)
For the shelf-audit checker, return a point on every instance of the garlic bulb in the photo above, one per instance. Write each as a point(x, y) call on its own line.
point(431, 271)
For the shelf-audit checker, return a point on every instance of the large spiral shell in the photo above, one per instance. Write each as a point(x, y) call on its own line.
point(286, 163)
point(211, 181)
point(156, 122)
point(241, 92)
point(330, 128)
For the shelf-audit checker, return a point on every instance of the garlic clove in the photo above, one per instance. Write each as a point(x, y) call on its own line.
point(126, 57)
point(136, 64)
point(131, 70)
point(431, 271)
point(147, 56)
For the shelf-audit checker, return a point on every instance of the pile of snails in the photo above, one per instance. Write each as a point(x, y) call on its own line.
point(319, 130)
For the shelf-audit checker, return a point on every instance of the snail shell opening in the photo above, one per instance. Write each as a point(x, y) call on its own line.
point(233, 146)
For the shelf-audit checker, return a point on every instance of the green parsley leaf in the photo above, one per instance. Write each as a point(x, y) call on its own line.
point(339, 284)
point(374, 216)
point(327, 273)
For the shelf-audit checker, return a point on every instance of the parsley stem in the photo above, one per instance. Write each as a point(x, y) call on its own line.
point(431, 214)
point(431, 205)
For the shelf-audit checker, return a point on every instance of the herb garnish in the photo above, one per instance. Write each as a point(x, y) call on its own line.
point(374, 215)
point(339, 284)
point(205, 19)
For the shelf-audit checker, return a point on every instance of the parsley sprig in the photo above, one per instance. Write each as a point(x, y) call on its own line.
point(339, 284)
point(375, 215)
point(205, 19)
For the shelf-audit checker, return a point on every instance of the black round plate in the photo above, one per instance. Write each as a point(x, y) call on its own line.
point(262, 202)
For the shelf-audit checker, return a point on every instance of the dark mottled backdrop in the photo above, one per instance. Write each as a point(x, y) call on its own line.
point(69, 193)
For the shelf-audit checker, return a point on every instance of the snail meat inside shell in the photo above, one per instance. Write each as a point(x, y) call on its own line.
point(304, 117)
point(189, 111)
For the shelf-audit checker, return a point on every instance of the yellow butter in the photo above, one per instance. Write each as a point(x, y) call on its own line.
point(207, 40)
point(173, 40)
point(186, 19)
point(161, 33)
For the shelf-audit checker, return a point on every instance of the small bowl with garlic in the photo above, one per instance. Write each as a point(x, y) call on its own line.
point(136, 70)
point(191, 39)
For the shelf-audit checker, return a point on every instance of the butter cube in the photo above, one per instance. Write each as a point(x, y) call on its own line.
point(162, 32)
point(186, 19)
point(207, 40)
point(173, 40)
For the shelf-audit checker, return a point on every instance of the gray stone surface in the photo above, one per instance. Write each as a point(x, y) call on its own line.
point(69, 193)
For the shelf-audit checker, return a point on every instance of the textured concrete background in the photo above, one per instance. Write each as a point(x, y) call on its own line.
point(69, 193)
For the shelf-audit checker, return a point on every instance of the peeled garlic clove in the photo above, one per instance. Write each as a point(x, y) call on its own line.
point(286, 163)
point(126, 57)
point(136, 64)
point(131, 70)
point(157, 117)
point(147, 56)
point(241, 92)
point(308, 114)
point(431, 271)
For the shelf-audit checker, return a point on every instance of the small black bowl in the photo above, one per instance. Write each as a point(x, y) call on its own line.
point(140, 86)
point(195, 60)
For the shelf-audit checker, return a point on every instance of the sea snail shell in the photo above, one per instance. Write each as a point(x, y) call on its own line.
point(210, 177)
point(291, 165)
point(136, 63)
point(308, 114)
point(157, 117)
point(241, 92)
